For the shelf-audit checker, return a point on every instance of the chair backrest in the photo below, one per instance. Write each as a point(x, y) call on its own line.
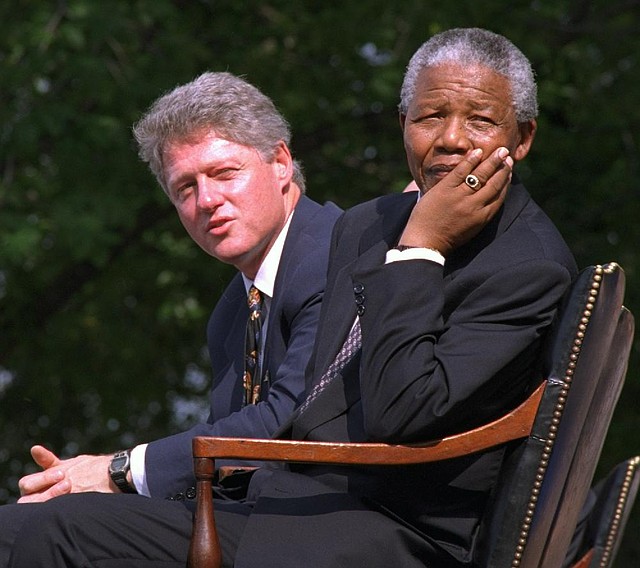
point(533, 480)
point(608, 518)
point(589, 448)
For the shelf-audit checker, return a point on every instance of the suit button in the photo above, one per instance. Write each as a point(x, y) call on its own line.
point(178, 497)
point(360, 310)
point(359, 299)
point(191, 493)
point(358, 288)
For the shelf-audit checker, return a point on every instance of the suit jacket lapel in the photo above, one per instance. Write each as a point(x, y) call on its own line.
point(235, 294)
point(288, 260)
point(292, 251)
point(340, 308)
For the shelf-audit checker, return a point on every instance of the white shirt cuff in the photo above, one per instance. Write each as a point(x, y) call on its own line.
point(138, 472)
point(417, 253)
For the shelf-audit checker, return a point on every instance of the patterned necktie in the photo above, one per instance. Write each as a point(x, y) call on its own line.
point(349, 348)
point(252, 374)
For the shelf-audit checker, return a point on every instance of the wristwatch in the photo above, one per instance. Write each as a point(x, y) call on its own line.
point(118, 469)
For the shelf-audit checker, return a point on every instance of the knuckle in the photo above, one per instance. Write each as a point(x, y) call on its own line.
point(24, 486)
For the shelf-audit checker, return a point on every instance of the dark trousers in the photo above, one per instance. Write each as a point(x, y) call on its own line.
point(95, 530)
point(129, 531)
point(107, 531)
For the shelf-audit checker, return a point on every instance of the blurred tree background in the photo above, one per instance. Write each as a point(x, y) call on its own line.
point(104, 298)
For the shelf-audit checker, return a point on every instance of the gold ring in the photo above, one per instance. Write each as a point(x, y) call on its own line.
point(472, 181)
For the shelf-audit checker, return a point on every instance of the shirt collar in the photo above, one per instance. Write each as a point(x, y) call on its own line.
point(265, 280)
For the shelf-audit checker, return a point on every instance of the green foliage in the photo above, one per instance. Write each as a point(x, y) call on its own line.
point(103, 297)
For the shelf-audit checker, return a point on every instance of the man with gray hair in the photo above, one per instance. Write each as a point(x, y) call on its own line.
point(220, 150)
point(436, 308)
point(437, 303)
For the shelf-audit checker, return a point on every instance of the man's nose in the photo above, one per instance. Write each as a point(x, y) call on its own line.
point(209, 194)
point(454, 136)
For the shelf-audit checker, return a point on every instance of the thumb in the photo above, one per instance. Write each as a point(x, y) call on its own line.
point(43, 457)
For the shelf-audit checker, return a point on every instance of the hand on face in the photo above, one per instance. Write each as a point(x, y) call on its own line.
point(451, 213)
point(59, 477)
point(461, 120)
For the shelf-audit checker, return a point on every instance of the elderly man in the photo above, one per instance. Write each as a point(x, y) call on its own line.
point(220, 150)
point(432, 323)
point(444, 302)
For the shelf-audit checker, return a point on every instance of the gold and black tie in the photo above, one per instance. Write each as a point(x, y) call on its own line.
point(252, 374)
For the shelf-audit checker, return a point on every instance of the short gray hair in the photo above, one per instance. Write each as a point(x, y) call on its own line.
point(470, 46)
point(230, 106)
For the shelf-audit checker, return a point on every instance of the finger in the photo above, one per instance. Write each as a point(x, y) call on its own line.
point(477, 177)
point(56, 490)
point(41, 481)
point(496, 185)
point(473, 182)
point(43, 457)
point(467, 165)
point(494, 189)
point(496, 169)
point(492, 195)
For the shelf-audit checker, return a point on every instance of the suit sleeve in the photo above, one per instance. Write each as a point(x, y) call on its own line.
point(169, 462)
point(424, 375)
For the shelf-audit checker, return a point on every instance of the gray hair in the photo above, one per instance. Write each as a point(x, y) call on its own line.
point(469, 46)
point(233, 108)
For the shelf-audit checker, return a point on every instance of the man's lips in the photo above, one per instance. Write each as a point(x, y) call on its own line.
point(441, 169)
point(438, 171)
point(219, 225)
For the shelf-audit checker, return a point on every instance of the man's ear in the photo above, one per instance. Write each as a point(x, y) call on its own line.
point(527, 134)
point(283, 163)
point(403, 118)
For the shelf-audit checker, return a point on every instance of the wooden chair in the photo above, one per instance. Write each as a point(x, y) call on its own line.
point(544, 435)
point(607, 521)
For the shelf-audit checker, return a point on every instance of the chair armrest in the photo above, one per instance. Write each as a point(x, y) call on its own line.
point(516, 424)
point(205, 551)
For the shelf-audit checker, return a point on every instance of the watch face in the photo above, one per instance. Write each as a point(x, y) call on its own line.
point(118, 463)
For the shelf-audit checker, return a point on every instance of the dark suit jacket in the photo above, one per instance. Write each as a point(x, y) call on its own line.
point(293, 319)
point(444, 349)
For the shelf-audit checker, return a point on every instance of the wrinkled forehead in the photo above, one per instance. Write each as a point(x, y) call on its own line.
point(477, 83)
